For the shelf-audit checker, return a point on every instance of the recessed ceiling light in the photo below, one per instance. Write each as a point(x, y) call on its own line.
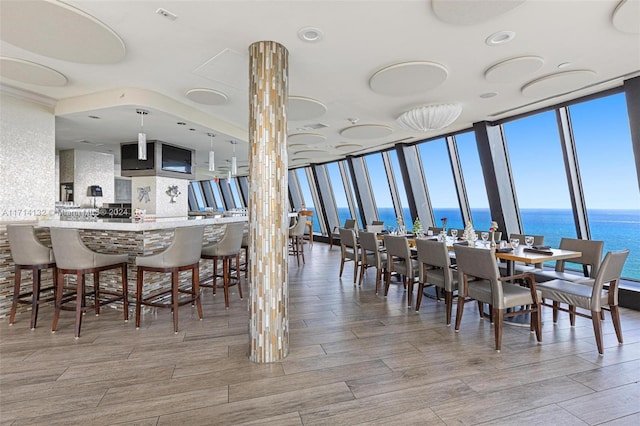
point(95, 117)
point(192, 129)
point(310, 34)
point(564, 65)
point(501, 37)
point(181, 123)
point(488, 95)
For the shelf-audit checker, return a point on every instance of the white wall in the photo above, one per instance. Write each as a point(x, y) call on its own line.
point(27, 158)
point(159, 203)
point(93, 168)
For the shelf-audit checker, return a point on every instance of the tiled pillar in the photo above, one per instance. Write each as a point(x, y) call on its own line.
point(268, 219)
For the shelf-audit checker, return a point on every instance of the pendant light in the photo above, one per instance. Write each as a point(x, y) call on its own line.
point(142, 136)
point(234, 160)
point(212, 155)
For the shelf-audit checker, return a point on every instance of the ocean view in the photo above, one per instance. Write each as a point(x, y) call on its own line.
point(619, 229)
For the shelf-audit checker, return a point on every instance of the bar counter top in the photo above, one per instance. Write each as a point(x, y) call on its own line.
point(147, 224)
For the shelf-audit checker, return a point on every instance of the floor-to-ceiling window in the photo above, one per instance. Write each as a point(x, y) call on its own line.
point(381, 192)
point(473, 179)
point(401, 189)
point(339, 193)
point(197, 191)
point(442, 191)
point(536, 159)
point(307, 197)
point(609, 180)
point(235, 192)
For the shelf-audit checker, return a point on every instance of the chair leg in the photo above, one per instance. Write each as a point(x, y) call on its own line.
point(96, 292)
point(387, 283)
point(355, 272)
point(35, 297)
point(125, 292)
point(195, 287)
point(556, 305)
point(419, 296)
point(378, 277)
point(301, 244)
point(572, 315)
point(16, 295)
point(215, 274)
point(225, 280)
point(497, 315)
point(448, 301)
point(615, 316)
point(79, 302)
point(341, 267)
point(175, 282)
point(481, 309)
point(139, 295)
point(58, 302)
point(409, 292)
point(536, 321)
point(238, 275)
point(459, 311)
point(597, 330)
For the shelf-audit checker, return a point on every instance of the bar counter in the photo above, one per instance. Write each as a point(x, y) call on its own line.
point(115, 236)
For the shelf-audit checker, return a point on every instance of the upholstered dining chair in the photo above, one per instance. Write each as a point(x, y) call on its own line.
point(589, 261)
point(349, 250)
point(373, 256)
point(226, 250)
point(74, 257)
point(435, 269)
point(30, 254)
point(348, 224)
point(183, 254)
point(296, 239)
point(479, 279)
point(400, 261)
point(592, 298)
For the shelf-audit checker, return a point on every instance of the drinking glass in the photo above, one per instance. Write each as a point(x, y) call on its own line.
point(528, 240)
point(485, 237)
point(454, 233)
point(515, 243)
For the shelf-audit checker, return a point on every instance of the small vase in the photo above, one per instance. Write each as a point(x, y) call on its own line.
point(493, 241)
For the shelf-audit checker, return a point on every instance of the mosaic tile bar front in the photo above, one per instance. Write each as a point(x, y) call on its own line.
point(134, 243)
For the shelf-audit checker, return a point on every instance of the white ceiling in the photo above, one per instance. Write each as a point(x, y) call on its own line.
point(374, 61)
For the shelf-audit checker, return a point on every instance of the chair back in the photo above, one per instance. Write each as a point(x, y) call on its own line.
point(435, 254)
point(376, 229)
point(70, 251)
point(480, 263)
point(350, 224)
point(608, 273)
point(26, 248)
point(591, 254)
point(370, 248)
point(231, 241)
point(399, 256)
point(348, 238)
point(185, 249)
point(297, 230)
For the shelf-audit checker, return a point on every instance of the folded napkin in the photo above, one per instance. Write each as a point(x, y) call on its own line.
point(542, 248)
point(461, 243)
point(504, 250)
point(538, 251)
point(432, 239)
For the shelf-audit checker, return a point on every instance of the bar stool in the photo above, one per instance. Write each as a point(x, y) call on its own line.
point(309, 223)
point(245, 248)
point(183, 254)
point(73, 257)
point(29, 253)
point(296, 238)
point(227, 249)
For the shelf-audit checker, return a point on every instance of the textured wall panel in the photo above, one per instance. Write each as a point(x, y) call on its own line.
point(268, 220)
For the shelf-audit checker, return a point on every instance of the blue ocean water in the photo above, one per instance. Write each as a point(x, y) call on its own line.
point(619, 229)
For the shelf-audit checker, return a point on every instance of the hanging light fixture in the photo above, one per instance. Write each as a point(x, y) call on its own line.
point(430, 117)
point(212, 155)
point(142, 136)
point(234, 160)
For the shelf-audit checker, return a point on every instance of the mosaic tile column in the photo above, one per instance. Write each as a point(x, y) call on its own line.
point(268, 215)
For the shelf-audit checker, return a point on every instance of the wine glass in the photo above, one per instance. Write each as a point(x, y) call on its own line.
point(515, 243)
point(528, 240)
point(485, 237)
point(454, 233)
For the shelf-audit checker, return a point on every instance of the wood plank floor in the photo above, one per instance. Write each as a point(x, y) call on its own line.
point(355, 358)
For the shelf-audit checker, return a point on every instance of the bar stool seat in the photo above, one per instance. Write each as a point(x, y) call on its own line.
point(227, 249)
point(182, 255)
point(74, 257)
point(29, 253)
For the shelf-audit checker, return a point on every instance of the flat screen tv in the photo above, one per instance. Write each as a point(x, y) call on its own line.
point(176, 159)
point(129, 157)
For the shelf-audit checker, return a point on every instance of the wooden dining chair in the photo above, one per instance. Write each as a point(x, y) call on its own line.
point(479, 279)
point(435, 269)
point(592, 298)
point(373, 256)
point(400, 262)
point(589, 261)
point(350, 251)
